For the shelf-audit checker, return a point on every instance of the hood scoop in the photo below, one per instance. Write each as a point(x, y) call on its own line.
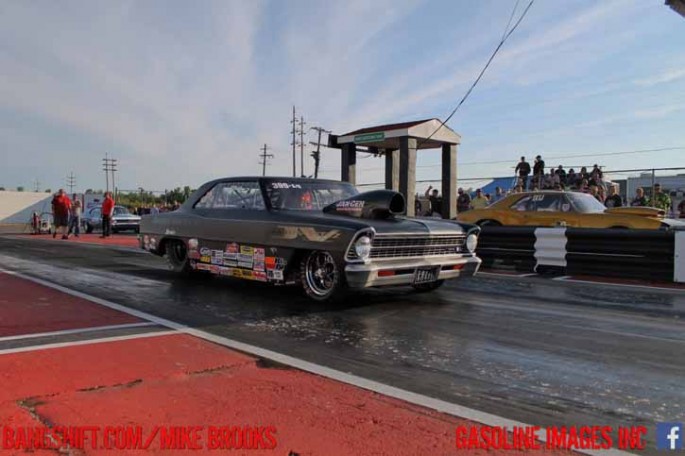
point(376, 204)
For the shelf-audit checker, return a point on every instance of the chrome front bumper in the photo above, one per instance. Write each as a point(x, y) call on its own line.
point(362, 275)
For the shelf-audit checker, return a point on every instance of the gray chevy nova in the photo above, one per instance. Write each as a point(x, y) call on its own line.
point(323, 235)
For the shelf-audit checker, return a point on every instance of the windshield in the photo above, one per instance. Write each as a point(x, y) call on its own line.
point(306, 196)
point(118, 210)
point(586, 204)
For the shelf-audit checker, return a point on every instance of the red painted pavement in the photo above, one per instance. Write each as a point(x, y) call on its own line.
point(29, 308)
point(183, 381)
point(93, 238)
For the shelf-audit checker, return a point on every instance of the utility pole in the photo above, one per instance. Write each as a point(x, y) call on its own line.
point(36, 184)
point(302, 124)
point(317, 153)
point(294, 133)
point(264, 156)
point(71, 182)
point(109, 165)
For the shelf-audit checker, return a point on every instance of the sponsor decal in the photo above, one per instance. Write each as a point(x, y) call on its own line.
point(193, 244)
point(258, 265)
point(246, 265)
point(194, 255)
point(170, 232)
point(261, 276)
point(217, 257)
point(274, 275)
point(205, 259)
point(259, 254)
point(214, 269)
point(285, 185)
point(203, 267)
point(245, 258)
point(232, 263)
point(204, 251)
point(246, 250)
point(305, 232)
point(349, 205)
point(275, 263)
point(231, 252)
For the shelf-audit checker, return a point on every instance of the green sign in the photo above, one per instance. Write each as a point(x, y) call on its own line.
point(369, 137)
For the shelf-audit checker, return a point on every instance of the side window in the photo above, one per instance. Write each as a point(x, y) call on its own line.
point(549, 203)
point(525, 204)
point(233, 195)
point(95, 213)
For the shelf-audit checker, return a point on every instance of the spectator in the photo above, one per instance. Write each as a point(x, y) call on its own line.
point(614, 199)
point(584, 186)
point(661, 200)
point(594, 191)
point(596, 174)
point(583, 174)
point(480, 201)
point(75, 218)
point(640, 199)
point(435, 200)
point(498, 195)
point(523, 170)
point(154, 210)
point(551, 180)
point(518, 189)
point(681, 209)
point(571, 178)
point(601, 194)
point(463, 200)
point(561, 172)
point(538, 170)
point(107, 212)
point(61, 204)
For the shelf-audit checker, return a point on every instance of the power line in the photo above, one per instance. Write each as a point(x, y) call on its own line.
point(294, 143)
point(505, 37)
point(302, 133)
point(109, 165)
point(264, 156)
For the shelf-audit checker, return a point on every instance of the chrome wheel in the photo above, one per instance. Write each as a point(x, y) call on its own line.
point(321, 275)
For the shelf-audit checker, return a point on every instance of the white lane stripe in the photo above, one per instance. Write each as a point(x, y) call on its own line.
point(561, 278)
point(343, 377)
point(33, 348)
point(624, 285)
point(76, 331)
point(85, 243)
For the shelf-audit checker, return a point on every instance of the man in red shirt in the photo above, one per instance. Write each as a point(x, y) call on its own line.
point(107, 212)
point(61, 204)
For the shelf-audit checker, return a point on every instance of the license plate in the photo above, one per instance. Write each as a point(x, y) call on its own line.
point(426, 275)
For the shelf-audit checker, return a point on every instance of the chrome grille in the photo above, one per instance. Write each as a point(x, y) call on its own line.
point(416, 246)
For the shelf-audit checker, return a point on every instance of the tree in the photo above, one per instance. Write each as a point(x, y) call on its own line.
point(89, 191)
point(2, 189)
point(48, 190)
point(20, 189)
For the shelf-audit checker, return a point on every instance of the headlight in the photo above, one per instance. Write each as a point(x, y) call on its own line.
point(471, 242)
point(363, 247)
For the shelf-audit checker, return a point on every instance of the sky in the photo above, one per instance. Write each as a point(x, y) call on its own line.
point(183, 92)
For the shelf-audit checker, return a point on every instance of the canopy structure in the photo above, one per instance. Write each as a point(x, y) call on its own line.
point(398, 143)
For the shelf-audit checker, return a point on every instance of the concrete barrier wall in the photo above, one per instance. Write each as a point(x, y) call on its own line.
point(17, 207)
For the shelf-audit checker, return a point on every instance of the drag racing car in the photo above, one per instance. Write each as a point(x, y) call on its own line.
point(557, 208)
point(321, 234)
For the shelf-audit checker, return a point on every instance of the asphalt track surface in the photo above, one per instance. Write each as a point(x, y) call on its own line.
point(534, 350)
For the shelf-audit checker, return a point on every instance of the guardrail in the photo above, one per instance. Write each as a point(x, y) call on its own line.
point(640, 254)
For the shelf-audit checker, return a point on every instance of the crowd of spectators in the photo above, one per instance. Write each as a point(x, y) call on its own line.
point(591, 182)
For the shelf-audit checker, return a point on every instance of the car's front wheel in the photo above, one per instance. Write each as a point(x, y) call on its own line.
point(321, 276)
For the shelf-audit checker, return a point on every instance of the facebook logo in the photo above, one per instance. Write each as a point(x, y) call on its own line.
point(669, 436)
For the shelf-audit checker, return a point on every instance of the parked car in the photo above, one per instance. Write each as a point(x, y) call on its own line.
point(122, 220)
point(558, 208)
point(323, 235)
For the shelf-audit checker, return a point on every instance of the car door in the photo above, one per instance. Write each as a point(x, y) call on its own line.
point(232, 211)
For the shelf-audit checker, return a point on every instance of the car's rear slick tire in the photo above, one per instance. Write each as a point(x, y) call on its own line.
point(321, 276)
point(425, 287)
point(176, 254)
